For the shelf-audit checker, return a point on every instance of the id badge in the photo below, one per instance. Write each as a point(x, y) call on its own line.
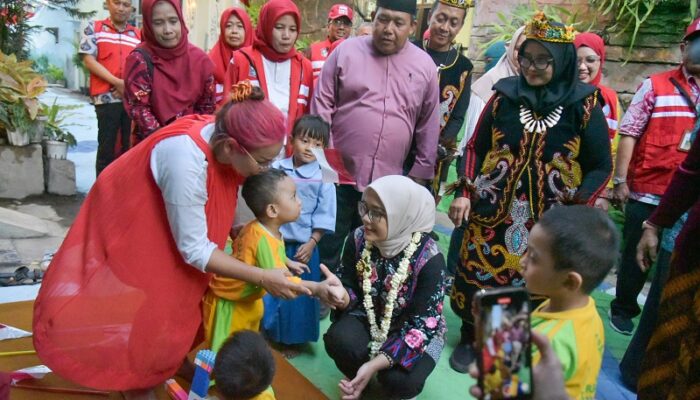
point(686, 142)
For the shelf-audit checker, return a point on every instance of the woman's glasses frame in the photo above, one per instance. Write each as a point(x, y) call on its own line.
point(373, 215)
point(261, 165)
point(540, 64)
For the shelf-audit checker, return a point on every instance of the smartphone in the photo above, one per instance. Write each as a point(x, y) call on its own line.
point(503, 343)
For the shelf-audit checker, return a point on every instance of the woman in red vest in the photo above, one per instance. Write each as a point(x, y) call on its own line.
point(166, 76)
point(272, 62)
point(236, 31)
point(120, 306)
point(590, 52)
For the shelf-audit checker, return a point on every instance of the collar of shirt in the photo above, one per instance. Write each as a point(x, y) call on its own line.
point(693, 82)
point(305, 171)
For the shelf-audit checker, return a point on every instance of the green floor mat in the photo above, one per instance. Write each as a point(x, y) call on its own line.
point(443, 383)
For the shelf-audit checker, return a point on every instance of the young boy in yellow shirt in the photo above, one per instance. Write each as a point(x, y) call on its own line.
point(231, 305)
point(570, 251)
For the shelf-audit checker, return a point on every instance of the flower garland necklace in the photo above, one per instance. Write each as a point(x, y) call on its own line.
point(364, 266)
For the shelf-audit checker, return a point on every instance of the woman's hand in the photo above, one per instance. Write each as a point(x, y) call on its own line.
point(459, 210)
point(305, 251)
point(621, 192)
point(296, 267)
point(602, 203)
point(647, 248)
point(352, 390)
point(331, 291)
point(275, 282)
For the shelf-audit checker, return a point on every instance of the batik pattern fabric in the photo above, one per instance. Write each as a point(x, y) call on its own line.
point(417, 325)
point(518, 176)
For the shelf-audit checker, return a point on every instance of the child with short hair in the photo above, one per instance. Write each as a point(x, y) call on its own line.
point(570, 251)
point(244, 368)
point(292, 322)
point(232, 305)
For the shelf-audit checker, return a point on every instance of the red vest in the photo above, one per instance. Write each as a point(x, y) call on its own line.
point(656, 155)
point(112, 49)
point(319, 54)
point(120, 308)
point(301, 84)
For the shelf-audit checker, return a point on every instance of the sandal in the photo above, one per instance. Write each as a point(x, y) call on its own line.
point(21, 276)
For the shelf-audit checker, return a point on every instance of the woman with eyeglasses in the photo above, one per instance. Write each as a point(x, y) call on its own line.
point(389, 322)
point(120, 306)
point(273, 63)
point(542, 141)
point(590, 53)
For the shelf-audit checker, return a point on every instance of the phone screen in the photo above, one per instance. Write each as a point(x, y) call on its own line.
point(503, 340)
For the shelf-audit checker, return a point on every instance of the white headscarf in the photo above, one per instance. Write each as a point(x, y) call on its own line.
point(505, 67)
point(409, 208)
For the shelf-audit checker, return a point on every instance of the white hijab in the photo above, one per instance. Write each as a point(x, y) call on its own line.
point(409, 208)
point(483, 87)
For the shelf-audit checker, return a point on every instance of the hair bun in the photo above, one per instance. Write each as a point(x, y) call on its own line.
point(244, 90)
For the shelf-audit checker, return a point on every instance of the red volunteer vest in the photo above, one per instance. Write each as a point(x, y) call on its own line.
point(656, 155)
point(112, 49)
point(319, 54)
point(247, 64)
point(119, 308)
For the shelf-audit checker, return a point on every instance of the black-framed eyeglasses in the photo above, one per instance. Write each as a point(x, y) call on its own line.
point(588, 60)
point(540, 63)
point(373, 215)
point(341, 22)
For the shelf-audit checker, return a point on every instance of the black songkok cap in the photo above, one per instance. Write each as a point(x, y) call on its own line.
point(407, 6)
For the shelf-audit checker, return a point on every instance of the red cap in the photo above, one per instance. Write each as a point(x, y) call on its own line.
point(693, 28)
point(340, 10)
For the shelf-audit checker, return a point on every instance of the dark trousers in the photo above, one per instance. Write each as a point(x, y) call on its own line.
point(346, 343)
point(630, 279)
point(346, 220)
point(112, 120)
point(455, 247)
point(631, 363)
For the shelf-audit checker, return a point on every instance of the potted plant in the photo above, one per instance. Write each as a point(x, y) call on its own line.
point(14, 118)
point(57, 137)
point(20, 88)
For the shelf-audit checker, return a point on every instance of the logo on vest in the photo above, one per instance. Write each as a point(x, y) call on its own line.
point(324, 52)
point(251, 72)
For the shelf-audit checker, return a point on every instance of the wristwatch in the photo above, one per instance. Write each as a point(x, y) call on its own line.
point(618, 181)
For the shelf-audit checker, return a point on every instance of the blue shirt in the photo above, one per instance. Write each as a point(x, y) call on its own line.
point(318, 205)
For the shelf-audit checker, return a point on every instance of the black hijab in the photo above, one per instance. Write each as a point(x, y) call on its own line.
point(564, 89)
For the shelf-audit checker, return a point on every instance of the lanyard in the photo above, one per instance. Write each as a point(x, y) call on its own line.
point(685, 95)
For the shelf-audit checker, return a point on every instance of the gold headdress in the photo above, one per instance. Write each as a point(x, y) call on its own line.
point(463, 4)
point(541, 29)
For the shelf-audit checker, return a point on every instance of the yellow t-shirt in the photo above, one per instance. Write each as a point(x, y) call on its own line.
point(578, 339)
point(254, 245)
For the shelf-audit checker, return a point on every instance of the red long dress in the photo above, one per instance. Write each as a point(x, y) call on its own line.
point(119, 308)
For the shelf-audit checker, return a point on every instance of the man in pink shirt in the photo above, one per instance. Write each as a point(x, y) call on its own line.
point(380, 95)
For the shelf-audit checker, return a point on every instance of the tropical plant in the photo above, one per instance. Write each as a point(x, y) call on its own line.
point(15, 28)
point(629, 16)
point(519, 15)
point(55, 73)
point(14, 117)
point(56, 124)
point(19, 83)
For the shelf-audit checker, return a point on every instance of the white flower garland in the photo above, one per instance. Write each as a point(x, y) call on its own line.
point(364, 266)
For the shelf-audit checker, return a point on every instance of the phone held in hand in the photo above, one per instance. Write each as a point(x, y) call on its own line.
point(503, 349)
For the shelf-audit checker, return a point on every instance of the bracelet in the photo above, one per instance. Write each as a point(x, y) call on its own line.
point(391, 360)
point(618, 181)
point(314, 239)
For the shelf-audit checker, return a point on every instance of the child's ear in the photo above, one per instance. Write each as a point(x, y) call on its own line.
point(271, 211)
point(573, 281)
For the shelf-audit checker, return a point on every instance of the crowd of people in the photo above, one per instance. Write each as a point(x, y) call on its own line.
point(527, 160)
